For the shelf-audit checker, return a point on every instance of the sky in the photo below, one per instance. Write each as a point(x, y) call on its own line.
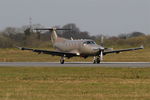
point(108, 17)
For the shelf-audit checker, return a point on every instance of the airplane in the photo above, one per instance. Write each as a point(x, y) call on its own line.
point(85, 48)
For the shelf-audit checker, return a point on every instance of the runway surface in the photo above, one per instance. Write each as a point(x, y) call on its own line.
point(75, 64)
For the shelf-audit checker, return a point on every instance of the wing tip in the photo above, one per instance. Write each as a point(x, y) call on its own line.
point(21, 48)
point(142, 47)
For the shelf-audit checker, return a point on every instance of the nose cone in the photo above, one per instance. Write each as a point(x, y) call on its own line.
point(97, 48)
point(92, 49)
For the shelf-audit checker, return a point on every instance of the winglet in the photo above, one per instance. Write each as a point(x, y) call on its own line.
point(142, 46)
point(19, 47)
point(22, 48)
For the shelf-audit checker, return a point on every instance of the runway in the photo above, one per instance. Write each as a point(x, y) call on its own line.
point(74, 64)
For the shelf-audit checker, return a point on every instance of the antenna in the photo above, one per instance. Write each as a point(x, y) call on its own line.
point(30, 23)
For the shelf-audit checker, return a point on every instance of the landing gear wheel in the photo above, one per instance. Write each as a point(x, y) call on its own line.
point(62, 60)
point(98, 60)
point(94, 61)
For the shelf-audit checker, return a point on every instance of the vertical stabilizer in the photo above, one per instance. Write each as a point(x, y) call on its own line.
point(54, 36)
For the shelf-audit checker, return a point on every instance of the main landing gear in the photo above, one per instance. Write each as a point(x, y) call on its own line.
point(96, 60)
point(62, 60)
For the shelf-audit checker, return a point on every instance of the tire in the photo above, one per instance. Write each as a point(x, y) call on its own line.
point(94, 61)
point(98, 61)
point(62, 61)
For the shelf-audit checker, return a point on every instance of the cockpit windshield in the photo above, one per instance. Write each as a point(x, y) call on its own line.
point(89, 42)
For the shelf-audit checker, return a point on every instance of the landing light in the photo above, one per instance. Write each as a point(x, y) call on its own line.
point(78, 54)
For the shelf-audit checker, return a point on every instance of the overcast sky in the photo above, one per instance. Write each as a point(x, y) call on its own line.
point(109, 17)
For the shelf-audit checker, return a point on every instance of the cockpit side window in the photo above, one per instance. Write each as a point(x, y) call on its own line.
point(89, 42)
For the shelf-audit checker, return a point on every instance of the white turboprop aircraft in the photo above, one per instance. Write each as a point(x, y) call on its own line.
point(66, 48)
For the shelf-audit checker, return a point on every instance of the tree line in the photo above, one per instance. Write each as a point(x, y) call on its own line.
point(25, 36)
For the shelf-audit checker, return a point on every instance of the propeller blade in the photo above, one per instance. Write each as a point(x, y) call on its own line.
point(101, 56)
point(102, 40)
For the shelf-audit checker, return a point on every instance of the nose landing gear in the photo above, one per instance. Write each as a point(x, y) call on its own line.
point(96, 60)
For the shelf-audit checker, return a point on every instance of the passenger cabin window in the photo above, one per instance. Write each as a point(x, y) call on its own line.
point(89, 42)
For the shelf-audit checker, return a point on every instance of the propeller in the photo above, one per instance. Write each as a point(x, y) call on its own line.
point(102, 43)
point(102, 40)
point(102, 49)
point(101, 55)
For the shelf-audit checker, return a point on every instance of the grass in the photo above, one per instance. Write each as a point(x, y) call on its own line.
point(74, 83)
point(12, 55)
point(43, 83)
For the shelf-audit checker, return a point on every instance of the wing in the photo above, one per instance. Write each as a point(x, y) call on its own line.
point(122, 50)
point(54, 53)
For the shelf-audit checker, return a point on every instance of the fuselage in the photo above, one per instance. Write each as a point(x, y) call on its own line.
point(79, 47)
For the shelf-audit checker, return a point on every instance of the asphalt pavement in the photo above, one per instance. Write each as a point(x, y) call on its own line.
point(75, 64)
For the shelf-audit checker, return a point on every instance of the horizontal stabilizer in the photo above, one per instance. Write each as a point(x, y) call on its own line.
point(50, 29)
